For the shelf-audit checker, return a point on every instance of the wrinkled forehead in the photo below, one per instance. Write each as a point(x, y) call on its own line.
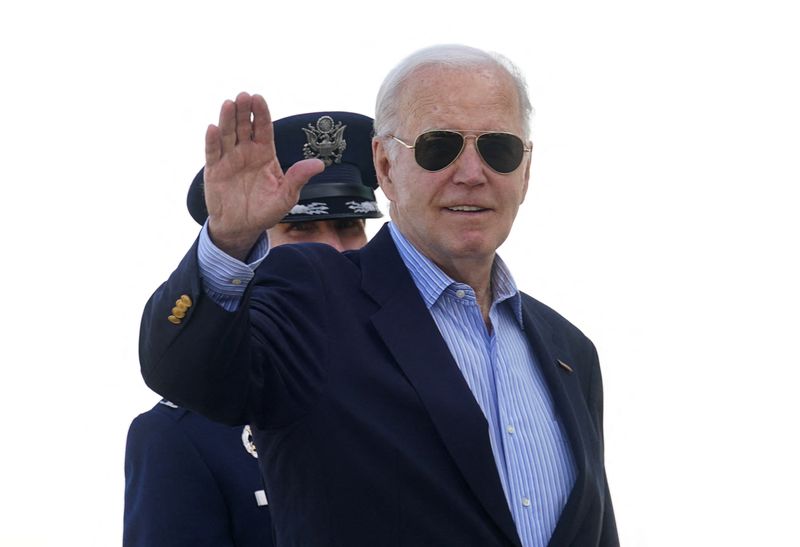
point(437, 97)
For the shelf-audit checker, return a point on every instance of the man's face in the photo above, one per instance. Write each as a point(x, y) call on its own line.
point(343, 234)
point(437, 211)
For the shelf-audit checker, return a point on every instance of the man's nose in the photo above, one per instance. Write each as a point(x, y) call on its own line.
point(469, 167)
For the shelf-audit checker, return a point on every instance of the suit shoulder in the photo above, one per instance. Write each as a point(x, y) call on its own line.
point(308, 251)
point(168, 425)
point(299, 261)
point(163, 413)
point(159, 422)
point(167, 415)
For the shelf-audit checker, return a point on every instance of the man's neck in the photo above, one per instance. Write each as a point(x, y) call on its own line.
point(475, 271)
point(478, 275)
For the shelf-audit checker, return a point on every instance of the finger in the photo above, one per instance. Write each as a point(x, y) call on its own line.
point(299, 173)
point(213, 145)
point(262, 121)
point(244, 126)
point(227, 126)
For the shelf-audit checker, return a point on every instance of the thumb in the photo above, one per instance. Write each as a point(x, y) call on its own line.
point(299, 173)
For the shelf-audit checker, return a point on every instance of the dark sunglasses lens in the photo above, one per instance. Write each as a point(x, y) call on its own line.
point(436, 150)
point(501, 151)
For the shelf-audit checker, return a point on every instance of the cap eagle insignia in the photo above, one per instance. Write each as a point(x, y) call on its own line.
point(325, 141)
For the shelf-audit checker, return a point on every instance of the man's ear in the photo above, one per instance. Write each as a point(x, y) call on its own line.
point(527, 172)
point(380, 157)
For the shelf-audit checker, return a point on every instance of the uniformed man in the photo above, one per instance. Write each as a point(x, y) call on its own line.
point(193, 482)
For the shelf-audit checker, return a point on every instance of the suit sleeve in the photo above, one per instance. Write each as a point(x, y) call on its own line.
point(171, 497)
point(262, 360)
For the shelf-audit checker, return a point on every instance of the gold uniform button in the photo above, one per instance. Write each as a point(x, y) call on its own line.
point(186, 300)
point(178, 312)
point(179, 305)
point(174, 320)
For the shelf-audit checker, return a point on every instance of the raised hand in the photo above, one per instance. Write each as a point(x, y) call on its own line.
point(246, 190)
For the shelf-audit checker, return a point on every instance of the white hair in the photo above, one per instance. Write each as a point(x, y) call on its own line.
point(387, 105)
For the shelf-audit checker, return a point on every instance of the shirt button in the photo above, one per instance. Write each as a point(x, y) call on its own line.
point(526, 502)
point(510, 429)
point(460, 293)
point(236, 281)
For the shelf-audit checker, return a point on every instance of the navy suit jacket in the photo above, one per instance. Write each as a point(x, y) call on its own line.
point(366, 429)
point(191, 482)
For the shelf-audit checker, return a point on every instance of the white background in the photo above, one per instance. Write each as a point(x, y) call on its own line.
point(662, 220)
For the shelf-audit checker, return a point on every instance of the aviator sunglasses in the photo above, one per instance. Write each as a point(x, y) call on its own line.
point(434, 150)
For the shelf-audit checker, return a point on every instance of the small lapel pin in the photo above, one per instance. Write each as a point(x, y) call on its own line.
point(564, 366)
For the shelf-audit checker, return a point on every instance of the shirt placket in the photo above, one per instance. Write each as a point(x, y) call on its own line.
point(511, 429)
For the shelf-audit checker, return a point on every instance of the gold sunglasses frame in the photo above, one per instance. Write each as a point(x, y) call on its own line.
point(465, 134)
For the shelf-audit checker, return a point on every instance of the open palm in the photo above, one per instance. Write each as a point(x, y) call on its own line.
point(246, 190)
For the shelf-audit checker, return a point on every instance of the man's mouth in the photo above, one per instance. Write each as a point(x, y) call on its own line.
point(466, 208)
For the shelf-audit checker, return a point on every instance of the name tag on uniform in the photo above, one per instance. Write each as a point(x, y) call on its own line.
point(261, 498)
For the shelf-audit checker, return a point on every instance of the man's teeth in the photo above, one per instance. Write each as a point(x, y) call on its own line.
point(467, 208)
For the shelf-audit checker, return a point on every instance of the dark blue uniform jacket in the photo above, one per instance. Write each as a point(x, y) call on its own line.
point(190, 482)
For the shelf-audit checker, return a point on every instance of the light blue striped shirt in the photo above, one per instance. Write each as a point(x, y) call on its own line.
point(532, 453)
point(225, 278)
point(533, 456)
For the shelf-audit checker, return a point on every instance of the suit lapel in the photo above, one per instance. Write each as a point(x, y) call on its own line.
point(405, 325)
point(567, 397)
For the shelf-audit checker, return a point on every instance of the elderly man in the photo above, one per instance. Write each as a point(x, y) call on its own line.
point(406, 393)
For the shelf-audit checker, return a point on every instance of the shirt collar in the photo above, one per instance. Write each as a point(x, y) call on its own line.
point(431, 281)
